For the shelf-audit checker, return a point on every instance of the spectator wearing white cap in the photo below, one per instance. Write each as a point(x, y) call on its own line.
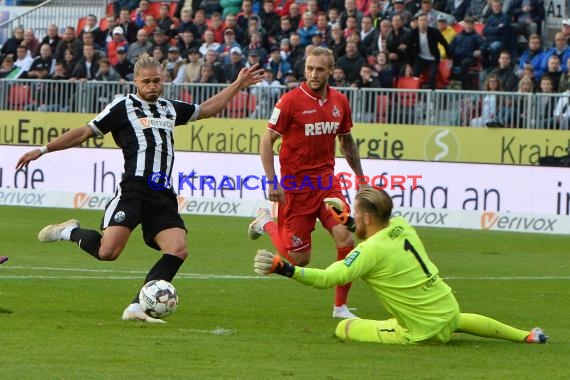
point(446, 31)
point(432, 14)
point(112, 46)
point(236, 63)
point(566, 29)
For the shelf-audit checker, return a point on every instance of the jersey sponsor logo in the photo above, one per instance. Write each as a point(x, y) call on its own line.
point(151, 122)
point(336, 112)
point(275, 116)
point(348, 260)
point(321, 128)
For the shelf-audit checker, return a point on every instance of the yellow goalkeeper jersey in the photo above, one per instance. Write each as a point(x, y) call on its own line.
point(395, 264)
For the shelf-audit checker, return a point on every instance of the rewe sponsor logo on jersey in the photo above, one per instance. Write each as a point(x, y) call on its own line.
point(495, 221)
point(321, 128)
point(151, 122)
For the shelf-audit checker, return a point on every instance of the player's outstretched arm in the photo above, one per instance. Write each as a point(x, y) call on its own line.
point(266, 262)
point(246, 77)
point(69, 139)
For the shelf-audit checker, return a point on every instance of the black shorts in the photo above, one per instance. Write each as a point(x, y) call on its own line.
point(136, 203)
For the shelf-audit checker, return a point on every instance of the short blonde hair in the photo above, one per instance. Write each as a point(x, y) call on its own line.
point(145, 61)
point(376, 202)
point(318, 51)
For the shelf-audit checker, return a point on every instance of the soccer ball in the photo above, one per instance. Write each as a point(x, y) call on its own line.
point(158, 299)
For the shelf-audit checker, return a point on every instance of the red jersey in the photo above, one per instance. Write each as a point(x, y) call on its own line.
point(308, 128)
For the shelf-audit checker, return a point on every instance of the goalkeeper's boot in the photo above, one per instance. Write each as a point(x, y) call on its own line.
point(536, 335)
point(134, 313)
point(53, 231)
point(343, 312)
point(255, 229)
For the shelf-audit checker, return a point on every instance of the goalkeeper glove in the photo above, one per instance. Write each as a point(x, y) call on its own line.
point(339, 212)
point(266, 262)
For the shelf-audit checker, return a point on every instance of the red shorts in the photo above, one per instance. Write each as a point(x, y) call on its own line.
point(298, 214)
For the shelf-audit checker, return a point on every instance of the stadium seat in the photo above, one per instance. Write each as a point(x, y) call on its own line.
point(80, 25)
point(458, 27)
point(103, 24)
point(408, 98)
point(444, 73)
point(382, 108)
point(479, 26)
point(242, 105)
point(110, 9)
point(20, 95)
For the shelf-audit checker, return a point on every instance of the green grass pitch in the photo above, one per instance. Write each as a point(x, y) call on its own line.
point(60, 309)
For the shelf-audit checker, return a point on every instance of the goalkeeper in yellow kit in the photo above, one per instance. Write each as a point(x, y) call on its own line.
point(393, 261)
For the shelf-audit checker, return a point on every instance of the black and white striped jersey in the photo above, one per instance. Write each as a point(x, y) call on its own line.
point(144, 131)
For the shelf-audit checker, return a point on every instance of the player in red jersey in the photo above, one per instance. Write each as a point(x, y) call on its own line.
point(308, 119)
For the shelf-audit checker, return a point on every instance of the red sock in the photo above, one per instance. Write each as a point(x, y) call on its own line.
point(341, 292)
point(273, 232)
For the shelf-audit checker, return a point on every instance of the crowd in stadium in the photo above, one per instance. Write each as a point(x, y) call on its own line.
point(374, 42)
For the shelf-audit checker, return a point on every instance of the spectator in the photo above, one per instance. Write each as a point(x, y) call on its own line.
point(200, 22)
point(246, 12)
point(564, 84)
point(87, 38)
point(124, 67)
point(432, 14)
point(562, 111)
point(554, 72)
point(466, 50)
point(209, 42)
point(284, 30)
point(527, 16)
point(211, 58)
point(231, 7)
point(267, 93)
point(159, 53)
point(186, 42)
point(42, 66)
point(69, 62)
point(277, 65)
point(375, 13)
point(338, 79)
point(8, 70)
point(269, 18)
point(253, 58)
point(323, 27)
point(295, 16)
point(231, 23)
point(173, 61)
point(86, 67)
point(475, 9)
point(206, 74)
point(217, 26)
point(126, 5)
point(566, 29)
point(164, 21)
point(299, 68)
point(400, 10)
point(384, 70)
point(160, 38)
point(337, 42)
point(350, 10)
point(532, 56)
point(368, 37)
point(112, 23)
point(92, 26)
point(191, 72)
point(385, 28)
point(351, 27)
point(130, 29)
point(426, 58)
point(285, 49)
point(489, 110)
point(256, 43)
point(397, 44)
point(23, 59)
point(446, 31)
point(457, 9)
point(117, 41)
point(521, 112)
point(140, 46)
point(224, 50)
point(497, 32)
point(546, 104)
point(52, 38)
point(106, 72)
point(351, 62)
point(31, 42)
point(505, 72)
point(150, 25)
point(368, 98)
point(297, 51)
point(139, 15)
point(560, 49)
point(12, 43)
point(317, 40)
point(309, 28)
point(186, 25)
point(54, 96)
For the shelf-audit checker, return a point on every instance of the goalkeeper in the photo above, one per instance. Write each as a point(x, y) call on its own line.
point(393, 261)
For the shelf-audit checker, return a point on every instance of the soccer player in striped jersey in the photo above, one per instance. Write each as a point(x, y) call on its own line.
point(142, 126)
point(393, 261)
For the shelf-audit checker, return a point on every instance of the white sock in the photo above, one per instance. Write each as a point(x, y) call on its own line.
point(66, 233)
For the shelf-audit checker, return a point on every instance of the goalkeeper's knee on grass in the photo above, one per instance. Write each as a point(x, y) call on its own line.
point(339, 211)
point(266, 262)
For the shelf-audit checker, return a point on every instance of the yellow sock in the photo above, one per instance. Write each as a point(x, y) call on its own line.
point(486, 327)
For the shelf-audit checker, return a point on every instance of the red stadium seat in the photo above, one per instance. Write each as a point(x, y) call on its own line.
point(479, 26)
point(20, 95)
point(80, 25)
point(381, 108)
point(103, 24)
point(242, 105)
point(408, 98)
point(458, 27)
